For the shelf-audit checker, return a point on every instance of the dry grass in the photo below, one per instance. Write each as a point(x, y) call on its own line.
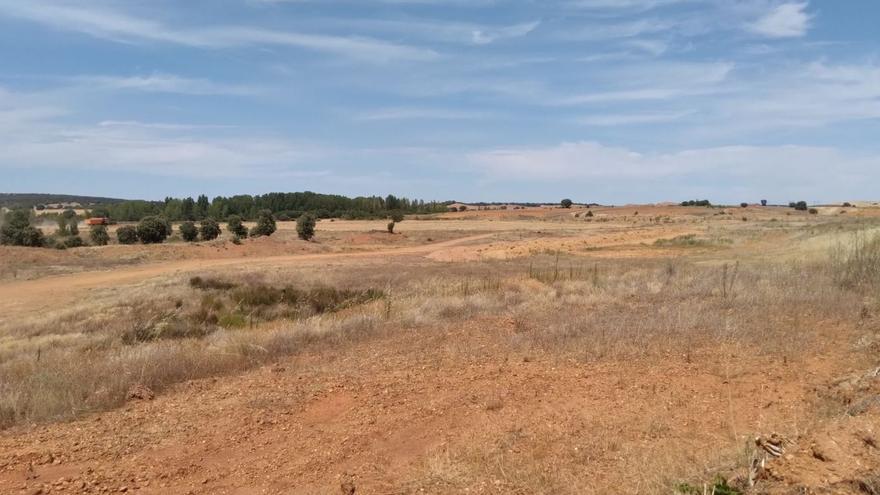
point(77, 359)
point(82, 361)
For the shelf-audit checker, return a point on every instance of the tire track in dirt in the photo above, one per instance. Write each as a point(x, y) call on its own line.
point(18, 298)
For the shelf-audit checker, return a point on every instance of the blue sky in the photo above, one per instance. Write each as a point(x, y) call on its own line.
point(600, 100)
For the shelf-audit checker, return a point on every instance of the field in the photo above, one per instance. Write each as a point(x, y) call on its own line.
point(639, 350)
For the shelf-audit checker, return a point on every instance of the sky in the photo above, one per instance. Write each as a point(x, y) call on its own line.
point(609, 101)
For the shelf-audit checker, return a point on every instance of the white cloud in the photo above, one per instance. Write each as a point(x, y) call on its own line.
point(788, 20)
point(119, 27)
point(33, 138)
point(784, 171)
point(623, 119)
point(164, 83)
point(483, 35)
point(404, 113)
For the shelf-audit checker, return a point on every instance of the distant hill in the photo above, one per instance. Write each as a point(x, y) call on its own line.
point(29, 200)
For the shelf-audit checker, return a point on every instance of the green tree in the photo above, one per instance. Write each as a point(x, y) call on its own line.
point(202, 205)
point(397, 216)
point(17, 230)
point(99, 235)
point(305, 226)
point(189, 232)
point(236, 227)
point(127, 234)
point(265, 224)
point(566, 203)
point(209, 229)
point(188, 209)
point(153, 230)
point(62, 230)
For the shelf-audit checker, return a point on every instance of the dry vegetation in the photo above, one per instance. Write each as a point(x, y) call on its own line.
point(717, 305)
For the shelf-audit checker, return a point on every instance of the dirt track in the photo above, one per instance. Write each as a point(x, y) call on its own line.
point(20, 297)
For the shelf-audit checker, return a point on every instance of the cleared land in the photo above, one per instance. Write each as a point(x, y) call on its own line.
point(639, 350)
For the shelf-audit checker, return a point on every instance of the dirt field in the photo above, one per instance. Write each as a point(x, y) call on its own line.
point(639, 350)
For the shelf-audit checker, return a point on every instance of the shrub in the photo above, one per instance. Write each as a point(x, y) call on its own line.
point(99, 235)
point(800, 206)
point(189, 232)
point(566, 203)
point(210, 283)
point(73, 241)
point(17, 231)
point(209, 229)
point(763, 202)
point(396, 216)
point(235, 226)
point(127, 234)
point(814, 211)
point(462, 208)
point(305, 226)
point(847, 205)
point(73, 229)
point(153, 230)
point(265, 224)
point(390, 227)
point(744, 205)
point(589, 214)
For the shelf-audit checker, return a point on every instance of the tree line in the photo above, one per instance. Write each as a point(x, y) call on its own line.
point(284, 206)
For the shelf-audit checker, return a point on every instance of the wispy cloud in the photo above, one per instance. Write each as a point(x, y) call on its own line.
point(788, 20)
point(122, 27)
point(625, 119)
point(726, 171)
point(164, 83)
point(420, 114)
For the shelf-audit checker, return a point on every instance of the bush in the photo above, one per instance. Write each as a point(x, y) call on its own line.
point(566, 203)
point(126, 234)
point(74, 227)
point(589, 214)
point(265, 224)
point(305, 226)
point(390, 227)
point(99, 235)
point(210, 283)
point(814, 211)
point(396, 216)
point(153, 230)
point(189, 232)
point(236, 227)
point(73, 241)
point(209, 229)
point(744, 205)
point(17, 230)
point(800, 206)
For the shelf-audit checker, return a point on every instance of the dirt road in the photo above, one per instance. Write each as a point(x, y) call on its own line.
point(21, 297)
